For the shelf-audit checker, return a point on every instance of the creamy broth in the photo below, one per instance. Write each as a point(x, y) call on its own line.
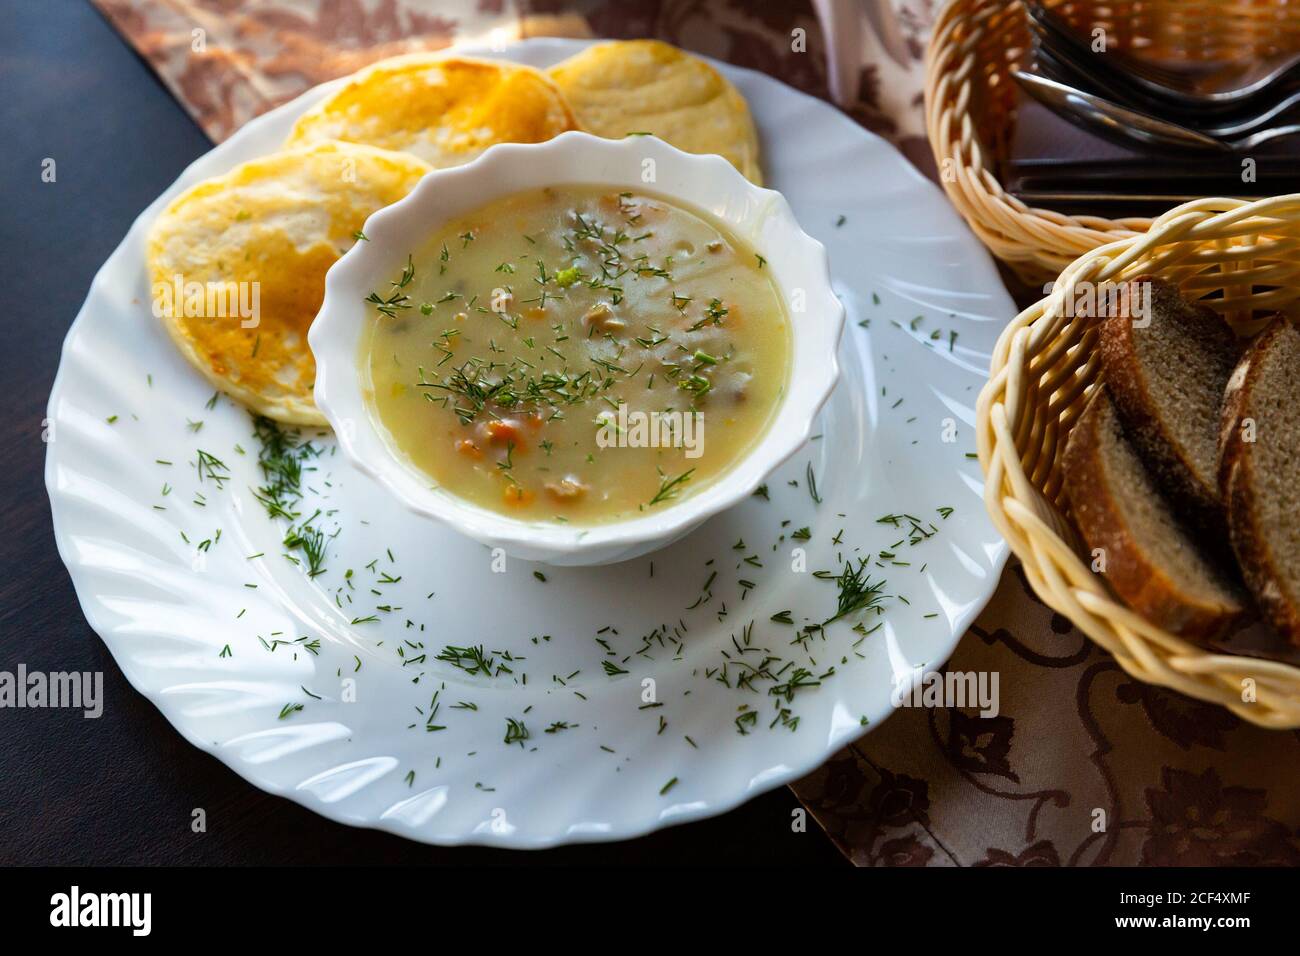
point(577, 354)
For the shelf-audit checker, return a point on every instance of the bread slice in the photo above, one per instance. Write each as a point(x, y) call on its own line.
point(1166, 370)
point(1150, 560)
point(1259, 471)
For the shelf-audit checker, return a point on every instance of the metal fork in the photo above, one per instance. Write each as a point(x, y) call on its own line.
point(1070, 73)
point(1222, 87)
point(1116, 120)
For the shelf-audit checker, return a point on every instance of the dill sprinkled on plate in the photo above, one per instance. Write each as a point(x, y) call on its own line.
point(311, 542)
point(281, 457)
point(516, 732)
point(471, 660)
point(857, 592)
point(212, 468)
point(800, 679)
point(812, 485)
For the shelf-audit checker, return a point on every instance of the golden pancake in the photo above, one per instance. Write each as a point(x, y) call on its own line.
point(237, 265)
point(444, 109)
point(644, 86)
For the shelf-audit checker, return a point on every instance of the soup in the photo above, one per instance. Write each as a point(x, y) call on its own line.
point(577, 354)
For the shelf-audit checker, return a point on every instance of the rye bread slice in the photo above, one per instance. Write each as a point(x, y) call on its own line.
point(1166, 375)
point(1259, 471)
point(1152, 561)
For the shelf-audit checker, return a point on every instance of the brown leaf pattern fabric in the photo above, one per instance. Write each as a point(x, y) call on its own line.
point(1082, 765)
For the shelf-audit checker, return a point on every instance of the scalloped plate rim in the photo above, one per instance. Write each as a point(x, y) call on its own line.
point(578, 832)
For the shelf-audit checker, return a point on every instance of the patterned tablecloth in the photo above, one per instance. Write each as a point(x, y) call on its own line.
point(1082, 765)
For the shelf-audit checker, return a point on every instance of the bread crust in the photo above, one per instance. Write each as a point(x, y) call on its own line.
point(1131, 570)
point(1260, 566)
point(1130, 389)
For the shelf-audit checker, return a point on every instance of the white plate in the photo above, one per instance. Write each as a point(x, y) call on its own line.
point(167, 610)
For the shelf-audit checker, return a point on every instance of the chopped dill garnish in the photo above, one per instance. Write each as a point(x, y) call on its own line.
point(812, 485)
point(389, 306)
point(857, 592)
point(212, 468)
point(516, 731)
point(668, 487)
point(280, 456)
point(471, 660)
point(799, 680)
point(311, 542)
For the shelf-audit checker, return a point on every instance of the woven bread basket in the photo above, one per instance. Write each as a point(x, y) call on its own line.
point(1242, 260)
point(970, 102)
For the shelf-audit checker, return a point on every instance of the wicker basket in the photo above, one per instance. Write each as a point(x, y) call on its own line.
point(970, 101)
point(1242, 259)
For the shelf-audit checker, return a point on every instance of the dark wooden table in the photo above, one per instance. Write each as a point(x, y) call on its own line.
point(121, 789)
